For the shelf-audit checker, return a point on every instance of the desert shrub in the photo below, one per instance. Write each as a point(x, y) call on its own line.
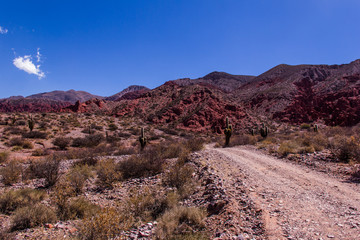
point(87, 161)
point(244, 139)
point(35, 134)
point(319, 142)
point(13, 199)
point(81, 208)
point(107, 224)
point(14, 130)
point(355, 175)
point(147, 203)
point(112, 127)
point(20, 142)
point(4, 156)
point(20, 123)
point(47, 168)
point(62, 142)
point(287, 147)
point(178, 221)
point(179, 175)
point(70, 209)
point(88, 141)
point(77, 176)
point(194, 144)
point(32, 216)
point(148, 163)
point(96, 127)
point(305, 126)
point(107, 173)
point(11, 173)
point(40, 152)
point(121, 150)
point(344, 148)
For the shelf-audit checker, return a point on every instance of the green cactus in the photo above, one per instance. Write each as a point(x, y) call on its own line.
point(264, 131)
point(31, 123)
point(252, 132)
point(227, 132)
point(142, 139)
point(315, 128)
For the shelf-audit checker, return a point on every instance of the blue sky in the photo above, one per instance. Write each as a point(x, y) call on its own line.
point(104, 46)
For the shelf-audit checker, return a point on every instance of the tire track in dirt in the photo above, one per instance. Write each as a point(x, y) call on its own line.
point(297, 203)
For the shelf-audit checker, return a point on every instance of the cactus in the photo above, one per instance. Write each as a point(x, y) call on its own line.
point(315, 128)
point(252, 132)
point(31, 123)
point(227, 132)
point(13, 119)
point(264, 131)
point(142, 139)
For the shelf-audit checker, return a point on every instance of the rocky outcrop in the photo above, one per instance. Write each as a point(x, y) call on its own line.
point(31, 105)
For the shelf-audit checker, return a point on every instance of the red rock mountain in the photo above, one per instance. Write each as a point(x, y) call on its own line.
point(294, 94)
point(222, 80)
point(31, 105)
point(131, 90)
point(65, 96)
point(306, 93)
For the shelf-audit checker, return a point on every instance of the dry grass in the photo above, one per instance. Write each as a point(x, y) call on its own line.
point(13, 199)
point(32, 216)
point(11, 173)
point(107, 224)
point(180, 220)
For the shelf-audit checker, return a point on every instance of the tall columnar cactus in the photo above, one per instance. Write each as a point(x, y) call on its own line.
point(252, 132)
point(31, 123)
point(142, 139)
point(264, 131)
point(315, 128)
point(227, 132)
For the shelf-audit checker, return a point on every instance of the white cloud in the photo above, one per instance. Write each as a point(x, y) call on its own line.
point(25, 63)
point(38, 55)
point(3, 30)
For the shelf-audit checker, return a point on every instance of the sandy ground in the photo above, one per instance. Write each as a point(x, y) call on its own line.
point(296, 202)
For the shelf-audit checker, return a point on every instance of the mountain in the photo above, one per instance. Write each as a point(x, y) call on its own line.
point(65, 96)
point(130, 89)
point(305, 93)
point(31, 105)
point(221, 80)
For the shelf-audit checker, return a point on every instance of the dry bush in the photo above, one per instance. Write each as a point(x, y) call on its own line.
point(195, 144)
point(180, 220)
point(147, 203)
point(345, 148)
point(305, 126)
point(121, 150)
point(62, 142)
point(20, 142)
point(11, 173)
point(148, 163)
point(32, 216)
point(70, 209)
point(107, 173)
point(112, 127)
point(87, 161)
point(77, 176)
point(91, 140)
point(107, 224)
point(355, 175)
point(40, 152)
point(13, 199)
point(243, 139)
point(47, 168)
point(35, 134)
point(14, 130)
point(4, 156)
point(180, 177)
point(288, 147)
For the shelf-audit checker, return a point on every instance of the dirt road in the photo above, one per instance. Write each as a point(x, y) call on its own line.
point(296, 202)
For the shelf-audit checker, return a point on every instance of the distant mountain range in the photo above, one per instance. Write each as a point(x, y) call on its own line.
point(296, 94)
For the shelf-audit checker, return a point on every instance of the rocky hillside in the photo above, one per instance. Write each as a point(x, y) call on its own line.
point(221, 80)
point(31, 105)
point(66, 96)
point(128, 91)
point(306, 93)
